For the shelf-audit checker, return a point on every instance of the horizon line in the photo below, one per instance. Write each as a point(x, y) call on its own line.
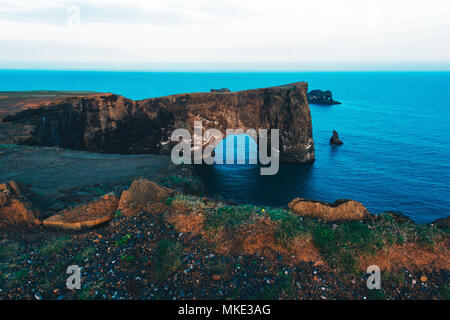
point(220, 70)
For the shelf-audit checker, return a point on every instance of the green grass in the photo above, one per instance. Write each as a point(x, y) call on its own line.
point(22, 273)
point(228, 216)
point(282, 287)
point(128, 258)
point(169, 257)
point(445, 291)
point(177, 181)
point(342, 244)
point(288, 227)
point(169, 201)
point(122, 240)
point(53, 247)
point(6, 251)
point(377, 294)
point(187, 201)
point(83, 255)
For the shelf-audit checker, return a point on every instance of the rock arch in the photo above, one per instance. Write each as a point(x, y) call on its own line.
point(111, 123)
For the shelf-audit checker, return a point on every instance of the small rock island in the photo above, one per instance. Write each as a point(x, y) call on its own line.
point(335, 139)
point(321, 97)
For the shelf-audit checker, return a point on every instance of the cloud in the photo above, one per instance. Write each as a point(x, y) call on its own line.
point(290, 32)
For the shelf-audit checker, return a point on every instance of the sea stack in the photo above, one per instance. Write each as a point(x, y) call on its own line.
point(335, 139)
point(321, 97)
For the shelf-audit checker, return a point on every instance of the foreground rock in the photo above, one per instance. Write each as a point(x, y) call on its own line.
point(85, 216)
point(443, 223)
point(143, 195)
point(321, 97)
point(110, 123)
point(15, 208)
point(335, 139)
point(339, 210)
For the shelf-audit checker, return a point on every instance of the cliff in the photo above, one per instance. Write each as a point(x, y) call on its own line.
point(110, 123)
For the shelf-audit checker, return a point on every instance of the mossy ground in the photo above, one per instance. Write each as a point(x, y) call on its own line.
point(340, 243)
point(145, 257)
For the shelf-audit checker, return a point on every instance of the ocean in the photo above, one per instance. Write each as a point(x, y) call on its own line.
point(394, 125)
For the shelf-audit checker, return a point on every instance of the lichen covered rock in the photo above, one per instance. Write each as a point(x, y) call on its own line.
point(339, 210)
point(85, 216)
point(15, 208)
point(143, 195)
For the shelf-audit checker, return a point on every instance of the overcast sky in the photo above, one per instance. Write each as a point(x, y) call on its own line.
point(225, 34)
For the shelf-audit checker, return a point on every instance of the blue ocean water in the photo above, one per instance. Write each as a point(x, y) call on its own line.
point(395, 127)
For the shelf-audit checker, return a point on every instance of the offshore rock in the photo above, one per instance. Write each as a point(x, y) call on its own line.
point(335, 139)
point(321, 97)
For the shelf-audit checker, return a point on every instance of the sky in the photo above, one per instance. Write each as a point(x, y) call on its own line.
point(226, 35)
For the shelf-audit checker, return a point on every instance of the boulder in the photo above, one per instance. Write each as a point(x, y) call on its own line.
point(321, 97)
point(15, 208)
point(85, 216)
point(143, 195)
point(443, 223)
point(335, 139)
point(339, 210)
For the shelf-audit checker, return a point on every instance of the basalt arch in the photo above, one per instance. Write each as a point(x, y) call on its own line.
point(111, 123)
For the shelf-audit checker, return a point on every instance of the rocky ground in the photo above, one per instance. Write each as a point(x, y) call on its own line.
point(163, 242)
point(145, 257)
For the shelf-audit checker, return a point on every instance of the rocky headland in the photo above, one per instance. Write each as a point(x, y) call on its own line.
point(110, 123)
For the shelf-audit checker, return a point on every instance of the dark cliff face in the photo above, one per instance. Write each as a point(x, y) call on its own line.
point(114, 124)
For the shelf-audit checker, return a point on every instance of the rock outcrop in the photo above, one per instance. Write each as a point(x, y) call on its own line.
point(443, 223)
point(110, 123)
point(321, 97)
point(15, 208)
point(143, 195)
point(335, 139)
point(339, 210)
point(220, 90)
point(85, 216)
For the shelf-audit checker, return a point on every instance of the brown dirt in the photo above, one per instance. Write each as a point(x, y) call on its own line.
point(257, 237)
point(250, 238)
point(192, 223)
point(411, 256)
point(12, 102)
